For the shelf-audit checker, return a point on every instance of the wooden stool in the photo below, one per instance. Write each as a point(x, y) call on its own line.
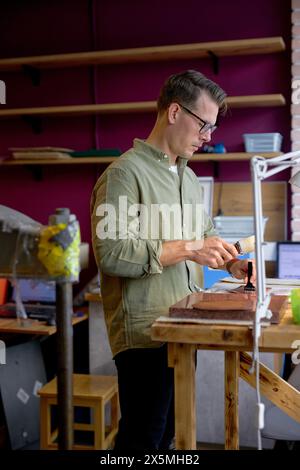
point(91, 391)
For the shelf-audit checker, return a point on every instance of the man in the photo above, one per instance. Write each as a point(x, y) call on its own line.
point(150, 237)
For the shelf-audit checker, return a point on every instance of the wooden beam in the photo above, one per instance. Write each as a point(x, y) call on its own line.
point(280, 392)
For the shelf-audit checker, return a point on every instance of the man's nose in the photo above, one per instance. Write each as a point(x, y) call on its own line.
point(206, 136)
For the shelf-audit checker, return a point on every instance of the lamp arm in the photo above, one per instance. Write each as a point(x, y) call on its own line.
point(258, 218)
point(292, 156)
point(283, 166)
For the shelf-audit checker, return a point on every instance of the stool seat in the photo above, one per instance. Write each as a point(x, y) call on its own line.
point(91, 391)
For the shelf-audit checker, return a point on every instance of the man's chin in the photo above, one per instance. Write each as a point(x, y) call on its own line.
point(196, 149)
point(188, 154)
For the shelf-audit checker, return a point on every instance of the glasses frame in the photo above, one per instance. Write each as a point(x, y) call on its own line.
point(206, 126)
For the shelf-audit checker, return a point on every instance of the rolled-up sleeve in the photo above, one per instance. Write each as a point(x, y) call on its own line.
point(119, 250)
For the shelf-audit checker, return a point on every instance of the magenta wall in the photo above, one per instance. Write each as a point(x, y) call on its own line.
point(33, 28)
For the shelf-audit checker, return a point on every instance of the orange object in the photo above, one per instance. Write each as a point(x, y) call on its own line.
point(3, 290)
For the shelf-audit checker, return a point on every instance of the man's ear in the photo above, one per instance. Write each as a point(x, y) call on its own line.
point(173, 110)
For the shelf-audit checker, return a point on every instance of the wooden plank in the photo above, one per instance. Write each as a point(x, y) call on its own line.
point(207, 335)
point(28, 326)
point(235, 306)
point(231, 400)
point(235, 199)
point(149, 54)
point(133, 107)
point(83, 427)
point(185, 404)
point(281, 393)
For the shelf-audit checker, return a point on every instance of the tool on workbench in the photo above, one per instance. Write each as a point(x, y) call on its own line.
point(249, 287)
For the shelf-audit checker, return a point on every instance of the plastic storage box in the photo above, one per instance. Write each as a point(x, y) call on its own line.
point(234, 228)
point(270, 142)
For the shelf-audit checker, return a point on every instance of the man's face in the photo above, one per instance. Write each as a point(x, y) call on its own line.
point(188, 136)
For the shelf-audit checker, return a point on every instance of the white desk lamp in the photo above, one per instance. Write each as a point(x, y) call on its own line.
point(260, 171)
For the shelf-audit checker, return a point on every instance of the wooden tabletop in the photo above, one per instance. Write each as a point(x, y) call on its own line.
point(275, 338)
point(33, 327)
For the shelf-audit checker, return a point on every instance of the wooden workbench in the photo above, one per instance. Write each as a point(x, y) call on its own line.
point(184, 339)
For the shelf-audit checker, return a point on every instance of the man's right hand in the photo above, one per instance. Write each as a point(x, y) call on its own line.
point(212, 251)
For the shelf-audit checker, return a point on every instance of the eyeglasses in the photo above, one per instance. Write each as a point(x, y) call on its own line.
point(205, 126)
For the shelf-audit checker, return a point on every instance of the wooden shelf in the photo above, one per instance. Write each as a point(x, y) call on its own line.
point(134, 107)
point(198, 157)
point(33, 327)
point(66, 161)
point(149, 54)
point(256, 101)
point(230, 156)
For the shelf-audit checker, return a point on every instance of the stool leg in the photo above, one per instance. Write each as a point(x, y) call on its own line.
point(45, 424)
point(114, 414)
point(99, 426)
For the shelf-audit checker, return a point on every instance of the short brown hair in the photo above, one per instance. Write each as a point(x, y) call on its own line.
point(185, 88)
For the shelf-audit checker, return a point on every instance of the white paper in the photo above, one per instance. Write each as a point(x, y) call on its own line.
point(23, 396)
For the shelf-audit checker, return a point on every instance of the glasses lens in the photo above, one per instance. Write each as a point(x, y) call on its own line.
point(207, 127)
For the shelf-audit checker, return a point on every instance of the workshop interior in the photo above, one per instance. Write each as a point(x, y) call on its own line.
point(82, 123)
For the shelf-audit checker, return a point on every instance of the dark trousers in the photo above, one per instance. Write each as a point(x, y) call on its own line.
point(146, 390)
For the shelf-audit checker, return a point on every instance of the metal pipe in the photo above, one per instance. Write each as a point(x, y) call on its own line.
point(64, 311)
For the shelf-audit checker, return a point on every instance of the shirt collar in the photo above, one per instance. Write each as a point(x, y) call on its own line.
point(157, 154)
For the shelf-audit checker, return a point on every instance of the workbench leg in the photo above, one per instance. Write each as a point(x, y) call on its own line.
point(182, 358)
point(232, 366)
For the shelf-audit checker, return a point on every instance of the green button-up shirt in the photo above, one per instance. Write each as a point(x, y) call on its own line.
point(135, 287)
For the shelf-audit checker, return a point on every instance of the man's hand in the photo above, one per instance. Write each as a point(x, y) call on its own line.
point(239, 270)
point(212, 251)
